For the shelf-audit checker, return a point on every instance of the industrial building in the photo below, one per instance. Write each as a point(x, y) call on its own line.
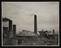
point(9, 31)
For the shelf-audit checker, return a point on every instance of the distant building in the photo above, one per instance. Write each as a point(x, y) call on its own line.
point(51, 34)
point(26, 37)
point(43, 33)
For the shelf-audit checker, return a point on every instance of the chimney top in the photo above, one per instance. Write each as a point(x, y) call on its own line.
point(35, 15)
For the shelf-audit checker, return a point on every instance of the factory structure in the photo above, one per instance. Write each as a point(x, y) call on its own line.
point(9, 32)
point(33, 38)
point(23, 38)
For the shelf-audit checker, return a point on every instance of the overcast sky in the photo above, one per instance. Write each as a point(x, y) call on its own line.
point(22, 14)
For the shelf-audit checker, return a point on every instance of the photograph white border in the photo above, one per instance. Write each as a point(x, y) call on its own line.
point(25, 45)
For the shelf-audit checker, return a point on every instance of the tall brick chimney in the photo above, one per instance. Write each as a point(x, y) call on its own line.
point(35, 24)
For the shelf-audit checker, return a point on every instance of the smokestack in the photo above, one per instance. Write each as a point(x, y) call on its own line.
point(35, 24)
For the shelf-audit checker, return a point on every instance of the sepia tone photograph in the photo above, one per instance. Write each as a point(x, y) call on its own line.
point(30, 23)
